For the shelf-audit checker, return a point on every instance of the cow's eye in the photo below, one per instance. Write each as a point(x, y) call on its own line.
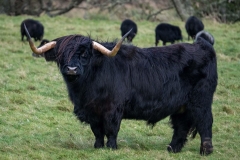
point(84, 58)
point(84, 55)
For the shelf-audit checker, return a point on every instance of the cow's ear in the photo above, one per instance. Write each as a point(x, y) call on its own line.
point(50, 55)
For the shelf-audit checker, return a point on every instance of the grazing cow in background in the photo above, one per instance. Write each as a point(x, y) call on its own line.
point(167, 33)
point(36, 29)
point(193, 26)
point(126, 26)
point(44, 41)
point(108, 82)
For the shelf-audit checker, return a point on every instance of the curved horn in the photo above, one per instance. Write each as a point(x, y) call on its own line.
point(42, 49)
point(107, 52)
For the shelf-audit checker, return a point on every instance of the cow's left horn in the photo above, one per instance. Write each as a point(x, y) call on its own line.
point(42, 49)
point(107, 52)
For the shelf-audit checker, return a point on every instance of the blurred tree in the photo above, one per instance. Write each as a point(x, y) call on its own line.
point(222, 10)
point(143, 9)
point(181, 11)
point(5, 6)
point(140, 9)
point(37, 7)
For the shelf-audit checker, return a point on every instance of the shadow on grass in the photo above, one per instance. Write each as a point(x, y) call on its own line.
point(134, 143)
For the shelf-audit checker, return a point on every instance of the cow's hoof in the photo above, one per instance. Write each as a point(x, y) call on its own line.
point(173, 149)
point(206, 147)
point(112, 145)
point(98, 144)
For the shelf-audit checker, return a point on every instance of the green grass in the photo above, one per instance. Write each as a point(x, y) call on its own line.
point(36, 120)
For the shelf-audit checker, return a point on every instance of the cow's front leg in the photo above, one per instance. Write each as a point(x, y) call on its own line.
point(112, 141)
point(98, 131)
point(112, 121)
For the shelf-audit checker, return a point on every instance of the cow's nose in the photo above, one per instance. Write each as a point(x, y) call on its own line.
point(71, 70)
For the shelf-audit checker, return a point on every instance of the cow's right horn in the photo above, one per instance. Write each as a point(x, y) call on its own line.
point(106, 51)
point(42, 49)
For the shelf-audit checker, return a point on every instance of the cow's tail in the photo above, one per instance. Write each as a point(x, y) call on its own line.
point(206, 36)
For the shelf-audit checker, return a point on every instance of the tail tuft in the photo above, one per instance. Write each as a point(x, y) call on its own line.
point(206, 36)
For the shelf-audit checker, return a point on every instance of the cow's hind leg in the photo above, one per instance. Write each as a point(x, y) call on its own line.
point(98, 131)
point(181, 124)
point(201, 102)
point(204, 128)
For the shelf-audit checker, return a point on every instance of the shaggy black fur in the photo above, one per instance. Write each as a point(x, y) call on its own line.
point(35, 28)
point(167, 33)
point(140, 83)
point(193, 26)
point(126, 25)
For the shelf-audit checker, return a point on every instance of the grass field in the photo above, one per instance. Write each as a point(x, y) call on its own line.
point(36, 120)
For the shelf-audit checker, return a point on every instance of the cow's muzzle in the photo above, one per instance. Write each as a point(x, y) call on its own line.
point(71, 70)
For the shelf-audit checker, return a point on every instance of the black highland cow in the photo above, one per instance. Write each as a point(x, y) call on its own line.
point(126, 25)
point(167, 33)
point(193, 26)
point(35, 28)
point(109, 82)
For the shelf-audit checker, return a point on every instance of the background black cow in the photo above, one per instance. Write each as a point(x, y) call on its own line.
point(35, 28)
point(138, 83)
point(126, 25)
point(167, 33)
point(193, 26)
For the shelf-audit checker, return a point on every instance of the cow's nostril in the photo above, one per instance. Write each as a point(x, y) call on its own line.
point(72, 68)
